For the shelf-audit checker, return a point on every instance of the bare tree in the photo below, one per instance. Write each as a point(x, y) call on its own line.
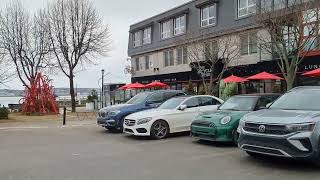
point(211, 58)
point(292, 29)
point(6, 74)
point(77, 35)
point(24, 41)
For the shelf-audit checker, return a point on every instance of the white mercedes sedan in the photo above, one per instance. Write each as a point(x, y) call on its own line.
point(174, 115)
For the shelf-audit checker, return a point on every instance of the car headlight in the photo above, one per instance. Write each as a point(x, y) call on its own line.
point(143, 121)
point(300, 127)
point(242, 123)
point(225, 120)
point(113, 113)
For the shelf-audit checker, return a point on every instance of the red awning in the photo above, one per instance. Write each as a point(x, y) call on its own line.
point(156, 84)
point(313, 73)
point(264, 76)
point(234, 79)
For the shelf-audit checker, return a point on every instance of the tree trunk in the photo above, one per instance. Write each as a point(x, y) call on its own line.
point(290, 81)
point(72, 93)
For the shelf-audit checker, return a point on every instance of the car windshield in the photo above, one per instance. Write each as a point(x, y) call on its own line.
point(139, 98)
point(298, 100)
point(239, 103)
point(172, 103)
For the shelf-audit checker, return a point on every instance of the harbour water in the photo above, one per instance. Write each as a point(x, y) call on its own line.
point(4, 101)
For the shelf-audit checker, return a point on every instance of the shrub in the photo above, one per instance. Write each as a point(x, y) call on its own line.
point(229, 90)
point(4, 113)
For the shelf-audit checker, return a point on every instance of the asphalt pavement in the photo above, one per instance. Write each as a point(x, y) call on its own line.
point(89, 152)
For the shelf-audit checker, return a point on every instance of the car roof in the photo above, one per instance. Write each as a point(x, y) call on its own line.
point(258, 95)
point(300, 88)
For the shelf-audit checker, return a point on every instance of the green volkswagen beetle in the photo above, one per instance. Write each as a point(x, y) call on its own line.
point(221, 125)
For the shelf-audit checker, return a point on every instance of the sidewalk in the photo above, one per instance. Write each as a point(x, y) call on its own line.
point(42, 122)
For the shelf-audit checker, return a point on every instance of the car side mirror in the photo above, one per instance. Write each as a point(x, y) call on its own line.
point(262, 107)
point(183, 107)
point(148, 103)
point(151, 104)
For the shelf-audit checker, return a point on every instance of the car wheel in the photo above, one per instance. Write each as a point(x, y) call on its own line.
point(111, 129)
point(159, 129)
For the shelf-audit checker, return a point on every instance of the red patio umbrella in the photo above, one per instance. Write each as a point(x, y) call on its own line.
point(123, 87)
point(132, 86)
point(156, 84)
point(313, 73)
point(135, 86)
point(234, 79)
point(264, 76)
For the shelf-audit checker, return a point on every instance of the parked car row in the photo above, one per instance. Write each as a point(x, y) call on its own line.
point(260, 124)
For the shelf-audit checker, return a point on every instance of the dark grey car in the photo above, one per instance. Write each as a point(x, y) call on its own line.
point(290, 127)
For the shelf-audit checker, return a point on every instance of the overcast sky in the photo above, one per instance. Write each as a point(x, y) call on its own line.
point(119, 15)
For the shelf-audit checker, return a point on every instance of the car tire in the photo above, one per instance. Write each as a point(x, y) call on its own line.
point(111, 129)
point(159, 129)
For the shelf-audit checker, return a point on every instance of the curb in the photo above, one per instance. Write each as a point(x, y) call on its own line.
point(44, 127)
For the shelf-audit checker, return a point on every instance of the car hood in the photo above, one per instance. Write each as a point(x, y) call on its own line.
point(150, 113)
point(218, 115)
point(281, 116)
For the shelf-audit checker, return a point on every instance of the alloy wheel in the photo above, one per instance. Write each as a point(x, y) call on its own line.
point(160, 129)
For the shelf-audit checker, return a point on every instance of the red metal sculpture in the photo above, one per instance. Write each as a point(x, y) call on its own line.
point(39, 99)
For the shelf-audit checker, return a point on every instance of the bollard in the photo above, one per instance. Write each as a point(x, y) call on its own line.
point(64, 116)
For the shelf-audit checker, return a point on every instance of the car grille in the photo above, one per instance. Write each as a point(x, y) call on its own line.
point(129, 122)
point(202, 123)
point(266, 129)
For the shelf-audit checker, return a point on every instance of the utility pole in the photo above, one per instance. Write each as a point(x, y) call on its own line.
point(102, 89)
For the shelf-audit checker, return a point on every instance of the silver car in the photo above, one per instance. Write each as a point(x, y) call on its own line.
point(290, 127)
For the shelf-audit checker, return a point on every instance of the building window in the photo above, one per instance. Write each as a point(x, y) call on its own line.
point(211, 50)
point(279, 4)
point(269, 5)
point(246, 7)
point(208, 15)
point(180, 25)
point(166, 29)
point(182, 56)
point(147, 35)
point(137, 39)
point(168, 58)
point(137, 64)
point(185, 56)
point(147, 62)
point(311, 29)
point(289, 38)
point(248, 44)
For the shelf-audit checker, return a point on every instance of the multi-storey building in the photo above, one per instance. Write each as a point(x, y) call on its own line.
point(158, 53)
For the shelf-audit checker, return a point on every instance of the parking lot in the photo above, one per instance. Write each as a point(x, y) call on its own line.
point(91, 153)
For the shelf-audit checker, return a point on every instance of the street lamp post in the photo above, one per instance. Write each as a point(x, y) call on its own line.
point(102, 89)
